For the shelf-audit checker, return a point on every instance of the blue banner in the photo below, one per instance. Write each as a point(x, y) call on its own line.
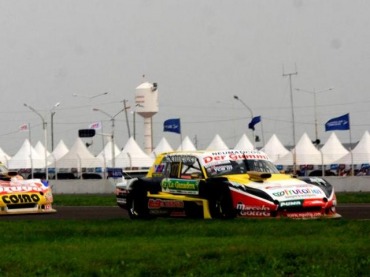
point(254, 121)
point(172, 125)
point(338, 123)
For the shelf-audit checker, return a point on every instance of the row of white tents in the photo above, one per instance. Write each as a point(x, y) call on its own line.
point(132, 156)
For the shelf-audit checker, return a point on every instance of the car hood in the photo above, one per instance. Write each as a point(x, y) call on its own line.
point(280, 187)
point(19, 186)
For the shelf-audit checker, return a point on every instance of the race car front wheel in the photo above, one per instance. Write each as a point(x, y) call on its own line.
point(220, 204)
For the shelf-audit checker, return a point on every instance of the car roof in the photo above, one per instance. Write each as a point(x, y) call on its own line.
point(226, 154)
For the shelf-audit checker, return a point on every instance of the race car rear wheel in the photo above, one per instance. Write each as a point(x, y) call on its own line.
point(220, 204)
point(137, 203)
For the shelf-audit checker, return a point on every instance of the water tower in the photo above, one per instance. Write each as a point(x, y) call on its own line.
point(146, 99)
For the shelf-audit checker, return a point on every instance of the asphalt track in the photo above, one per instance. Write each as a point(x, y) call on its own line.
point(348, 211)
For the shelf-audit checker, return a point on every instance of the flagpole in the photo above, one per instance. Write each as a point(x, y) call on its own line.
point(350, 146)
point(29, 138)
point(263, 136)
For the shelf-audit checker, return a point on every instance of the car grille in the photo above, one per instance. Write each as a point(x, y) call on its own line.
point(301, 209)
point(21, 206)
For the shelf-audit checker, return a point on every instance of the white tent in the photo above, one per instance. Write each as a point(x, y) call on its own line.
point(132, 156)
point(274, 149)
point(186, 145)
point(163, 146)
point(4, 157)
point(360, 154)
point(78, 157)
point(217, 144)
point(332, 150)
point(106, 154)
point(60, 150)
point(40, 149)
point(244, 143)
point(22, 159)
point(306, 153)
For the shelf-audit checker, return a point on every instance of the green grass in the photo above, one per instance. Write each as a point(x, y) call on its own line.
point(173, 247)
point(109, 199)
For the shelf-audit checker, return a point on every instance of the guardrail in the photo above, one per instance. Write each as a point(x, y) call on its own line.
point(341, 184)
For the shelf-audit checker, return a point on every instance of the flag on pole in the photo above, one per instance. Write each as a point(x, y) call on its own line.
point(23, 127)
point(95, 125)
point(172, 125)
point(254, 121)
point(338, 123)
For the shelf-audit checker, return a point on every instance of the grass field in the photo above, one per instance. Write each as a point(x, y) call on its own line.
point(181, 247)
point(173, 247)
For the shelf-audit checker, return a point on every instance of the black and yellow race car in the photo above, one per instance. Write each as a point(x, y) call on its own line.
point(224, 184)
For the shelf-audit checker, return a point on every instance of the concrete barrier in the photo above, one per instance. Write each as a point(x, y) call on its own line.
point(350, 183)
point(341, 184)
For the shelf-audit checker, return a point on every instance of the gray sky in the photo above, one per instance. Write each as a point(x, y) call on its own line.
point(200, 53)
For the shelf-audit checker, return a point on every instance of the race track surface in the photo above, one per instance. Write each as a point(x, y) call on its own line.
point(348, 211)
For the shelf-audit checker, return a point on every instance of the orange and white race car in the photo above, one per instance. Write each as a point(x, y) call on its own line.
point(224, 184)
point(19, 196)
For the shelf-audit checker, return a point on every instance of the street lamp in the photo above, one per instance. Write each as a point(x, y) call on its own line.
point(125, 108)
point(314, 92)
point(134, 119)
point(251, 113)
point(52, 113)
point(90, 96)
point(112, 118)
point(45, 139)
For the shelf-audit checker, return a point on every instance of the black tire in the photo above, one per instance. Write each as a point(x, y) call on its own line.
point(137, 203)
point(220, 203)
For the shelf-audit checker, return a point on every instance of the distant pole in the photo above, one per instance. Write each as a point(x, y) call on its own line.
point(127, 124)
point(314, 93)
point(45, 139)
point(112, 118)
point(293, 121)
point(251, 113)
point(52, 113)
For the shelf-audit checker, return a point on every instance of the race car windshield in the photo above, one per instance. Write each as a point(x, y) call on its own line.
point(241, 167)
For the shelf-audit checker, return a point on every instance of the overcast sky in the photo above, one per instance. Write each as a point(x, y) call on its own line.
point(200, 52)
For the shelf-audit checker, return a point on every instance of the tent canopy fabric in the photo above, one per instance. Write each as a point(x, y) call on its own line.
point(217, 144)
point(305, 151)
point(78, 157)
point(333, 150)
point(360, 154)
point(132, 156)
point(162, 146)
point(244, 143)
point(26, 157)
point(186, 145)
point(274, 149)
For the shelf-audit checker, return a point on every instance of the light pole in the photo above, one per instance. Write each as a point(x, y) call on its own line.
point(134, 119)
point(125, 108)
point(314, 92)
point(251, 113)
point(45, 139)
point(293, 120)
point(112, 118)
point(52, 113)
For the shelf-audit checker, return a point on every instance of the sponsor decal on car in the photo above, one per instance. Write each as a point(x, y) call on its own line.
point(298, 192)
point(11, 189)
point(296, 203)
point(180, 186)
point(161, 203)
point(20, 198)
point(304, 215)
point(253, 211)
